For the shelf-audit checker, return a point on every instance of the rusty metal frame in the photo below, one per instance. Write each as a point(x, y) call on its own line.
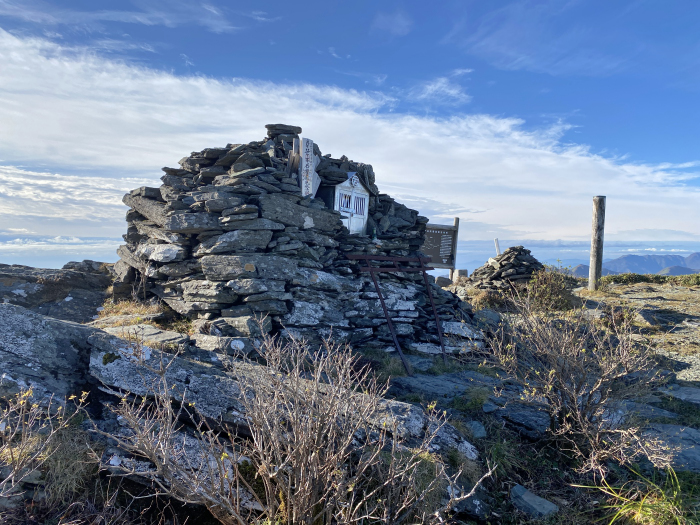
point(373, 270)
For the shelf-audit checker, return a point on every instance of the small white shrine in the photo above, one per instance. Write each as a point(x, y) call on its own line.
point(352, 201)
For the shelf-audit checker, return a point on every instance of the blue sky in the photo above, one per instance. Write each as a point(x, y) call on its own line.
point(510, 114)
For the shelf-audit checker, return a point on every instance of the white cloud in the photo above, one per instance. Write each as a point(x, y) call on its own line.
point(169, 13)
point(108, 126)
point(397, 23)
point(440, 90)
point(549, 36)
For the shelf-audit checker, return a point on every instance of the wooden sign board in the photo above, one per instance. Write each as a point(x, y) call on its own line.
point(441, 245)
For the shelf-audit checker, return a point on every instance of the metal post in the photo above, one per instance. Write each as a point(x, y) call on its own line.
point(498, 248)
point(598, 226)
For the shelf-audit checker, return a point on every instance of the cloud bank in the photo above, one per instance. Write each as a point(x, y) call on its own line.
point(107, 126)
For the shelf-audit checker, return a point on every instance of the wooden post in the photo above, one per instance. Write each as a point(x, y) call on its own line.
point(598, 227)
point(498, 247)
point(454, 249)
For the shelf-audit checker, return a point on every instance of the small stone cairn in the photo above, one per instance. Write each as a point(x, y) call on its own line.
point(514, 266)
point(228, 239)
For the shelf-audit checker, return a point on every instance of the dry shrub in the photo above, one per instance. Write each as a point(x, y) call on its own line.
point(550, 290)
point(584, 373)
point(488, 299)
point(319, 448)
point(29, 436)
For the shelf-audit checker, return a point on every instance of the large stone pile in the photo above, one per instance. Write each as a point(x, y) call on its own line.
point(229, 238)
point(513, 266)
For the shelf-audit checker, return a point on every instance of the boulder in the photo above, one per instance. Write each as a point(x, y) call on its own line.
point(70, 294)
point(532, 505)
point(279, 209)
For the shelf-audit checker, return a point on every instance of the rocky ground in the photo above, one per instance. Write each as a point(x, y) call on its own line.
point(485, 407)
point(667, 316)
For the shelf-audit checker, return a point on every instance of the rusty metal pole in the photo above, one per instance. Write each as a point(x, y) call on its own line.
point(598, 226)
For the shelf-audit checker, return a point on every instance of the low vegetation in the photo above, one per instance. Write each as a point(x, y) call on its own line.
point(634, 278)
point(315, 454)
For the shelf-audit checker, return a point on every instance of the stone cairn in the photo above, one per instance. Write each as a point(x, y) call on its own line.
point(228, 239)
point(513, 266)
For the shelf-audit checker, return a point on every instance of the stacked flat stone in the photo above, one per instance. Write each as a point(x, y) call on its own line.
point(512, 267)
point(228, 238)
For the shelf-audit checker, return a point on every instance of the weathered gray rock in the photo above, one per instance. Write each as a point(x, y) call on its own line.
point(235, 241)
point(225, 345)
point(48, 355)
point(212, 292)
point(191, 222)
point(215, 393)
point(282, 210)
point(154, 210)
point(248, 326)
point(684, 393)
point(162, 253)
point(255, 286)
point(189, 307)
point(253, 266)
point(684, 443)
point(146, 334)
point(532, 505)
point(69, 294)
point(222, 203)
point(249, 224)
point(477, 429)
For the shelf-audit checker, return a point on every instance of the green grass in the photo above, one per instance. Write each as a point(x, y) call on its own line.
point(472, 401)
point(663, 498)
point(634, 278)
point(689, 413)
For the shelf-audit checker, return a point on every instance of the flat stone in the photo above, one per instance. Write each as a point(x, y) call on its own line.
point(532, 505)
point(225, 345)
point(231, 220)
point(477, 429)
point(162, 253)
point(255, 286)
point(252, 224)
point(190, 307)
point(684, 441)
point(212, 292)
point(319, 280)
point(153, 210)
point(191, 222)
point(244, 209)
point(220, 204)
point(149, 335)
point(461, 330)
point(269, 306)
point(684, 393)
point(225, 267)
point(266, 296)
point(235, 241)
point(277, 208)
point(248, 326)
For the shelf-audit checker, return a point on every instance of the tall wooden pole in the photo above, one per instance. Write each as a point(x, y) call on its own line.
point(598, 227)
point(454, 248)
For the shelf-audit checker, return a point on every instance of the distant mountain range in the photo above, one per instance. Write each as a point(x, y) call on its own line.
point(643, 264)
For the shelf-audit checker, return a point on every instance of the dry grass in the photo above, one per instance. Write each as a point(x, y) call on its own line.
point(72, 465)
point(129, 307)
